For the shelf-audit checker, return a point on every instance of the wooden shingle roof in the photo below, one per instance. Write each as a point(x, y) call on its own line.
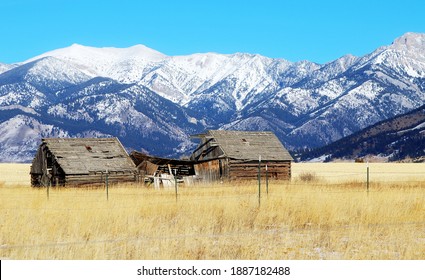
point(249, 145)
point(85, 155)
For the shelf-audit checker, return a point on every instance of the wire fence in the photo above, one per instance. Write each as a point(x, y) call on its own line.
point(296, 190)
point(215, 192)
point(329, 181)
point(22, 177)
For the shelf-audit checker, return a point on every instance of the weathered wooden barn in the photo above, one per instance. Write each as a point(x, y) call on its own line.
point(223, 154)
point(80, 161)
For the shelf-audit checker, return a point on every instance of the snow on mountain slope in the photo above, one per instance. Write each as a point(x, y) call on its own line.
point(413, 43)
point(22, 94)
point(405, 56)
point(330, 70)
point(47, 73)
point(5, 67)
point(20, 137)
point(34, 84)
point(183, 78)
point(176, 78)
point(122, 64)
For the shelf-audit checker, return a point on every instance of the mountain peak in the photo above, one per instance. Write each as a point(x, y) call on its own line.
point(84, 54)
point(410, 41)
point(106, 61)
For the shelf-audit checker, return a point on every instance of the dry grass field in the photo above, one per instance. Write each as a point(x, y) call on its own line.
point(324, 212)
point(15, 174)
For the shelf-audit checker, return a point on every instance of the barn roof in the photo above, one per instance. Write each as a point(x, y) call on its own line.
point(249, 145)
point(84, 155)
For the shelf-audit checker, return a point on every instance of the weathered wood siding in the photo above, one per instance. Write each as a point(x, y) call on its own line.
point(98, 178)
point(225, 169)
point(209, 171)
point(147, 168)
point(249, 170)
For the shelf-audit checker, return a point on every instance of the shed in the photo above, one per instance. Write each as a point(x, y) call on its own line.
point(224, 154)
point(78, 161)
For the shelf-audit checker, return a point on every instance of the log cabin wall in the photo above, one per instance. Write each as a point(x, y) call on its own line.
point(99, 178)
point(249, 170)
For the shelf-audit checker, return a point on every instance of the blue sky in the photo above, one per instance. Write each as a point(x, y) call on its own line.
point(319, 31)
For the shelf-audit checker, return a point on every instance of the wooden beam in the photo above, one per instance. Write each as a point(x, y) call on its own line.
point(200, 146)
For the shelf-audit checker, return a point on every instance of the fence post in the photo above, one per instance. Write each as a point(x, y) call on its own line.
point(367, 177)
point(48, 189)
point(175, 183)
point(259, 180)
point(267, 180)
point(107, 185)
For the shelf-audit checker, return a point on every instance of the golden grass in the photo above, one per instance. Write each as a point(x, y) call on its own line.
point(322, 219)
point(15, 174)
point(379, 172)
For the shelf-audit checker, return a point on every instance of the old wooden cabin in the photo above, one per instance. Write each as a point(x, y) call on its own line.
point(78, 161)
point(223, 154)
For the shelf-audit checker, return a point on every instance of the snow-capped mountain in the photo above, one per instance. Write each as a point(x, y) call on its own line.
point(153, 102)
point(349, 94)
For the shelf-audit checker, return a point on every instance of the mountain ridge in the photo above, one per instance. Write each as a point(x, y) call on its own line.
point(393, 139)
point(153, 102)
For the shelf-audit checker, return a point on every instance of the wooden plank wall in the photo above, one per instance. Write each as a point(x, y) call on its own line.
point(249, 171)
point(208, 171)
point(100, 178)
